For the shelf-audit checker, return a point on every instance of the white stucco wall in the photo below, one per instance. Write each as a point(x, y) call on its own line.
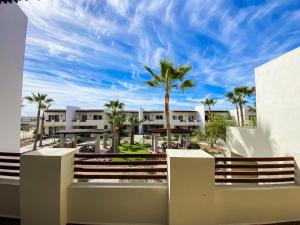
point(13, 24)
point(9, 198)
point(278, 111)
point(70, 115)
point(201, 110)
point(93, 203)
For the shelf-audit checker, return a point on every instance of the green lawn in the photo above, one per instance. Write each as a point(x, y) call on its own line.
point(133, 149)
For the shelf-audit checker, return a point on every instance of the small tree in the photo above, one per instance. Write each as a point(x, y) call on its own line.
point(216, 130)
point(133, 122)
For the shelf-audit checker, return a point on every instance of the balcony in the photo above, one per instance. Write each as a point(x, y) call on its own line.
point(212, 184)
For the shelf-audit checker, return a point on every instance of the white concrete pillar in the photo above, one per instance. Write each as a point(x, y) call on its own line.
point(152, 141)
point(75, 140)
point(13, 26)
point(97, 143)
point(155, 143)
point(191, 181)
point(187, 140)
point(61, 140)
point(105, 141)
point(45, 177)
point(141, 117)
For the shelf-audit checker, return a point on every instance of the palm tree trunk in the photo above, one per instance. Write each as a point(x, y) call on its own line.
point(42, 130)
point(237, 114)
point(116, 140)
point(242, 114)
point(132, 135)
point(37, 127)
point(209, 113)
point(167, 112)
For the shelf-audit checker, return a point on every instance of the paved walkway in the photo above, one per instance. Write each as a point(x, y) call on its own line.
point(29, 147)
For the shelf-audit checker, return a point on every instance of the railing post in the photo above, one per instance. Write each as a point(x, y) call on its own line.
point(45, 177)
point(191, 187)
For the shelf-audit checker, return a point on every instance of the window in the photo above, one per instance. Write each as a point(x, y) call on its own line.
point(159, 117)
point(97, 117)
point(83, 118)
point(174, 117)
point(105, 127)
point(180, 117)
point(191, 117)
point(53, 118)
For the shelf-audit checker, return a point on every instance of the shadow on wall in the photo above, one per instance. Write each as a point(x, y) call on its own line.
point(251, 142)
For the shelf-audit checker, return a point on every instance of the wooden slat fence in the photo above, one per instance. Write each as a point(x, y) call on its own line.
point(256, 170)
point(120, 166)
point(9, 164)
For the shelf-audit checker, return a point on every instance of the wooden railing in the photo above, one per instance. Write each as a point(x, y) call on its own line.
point(254, 170)
point(9, 164)
point(120, 166)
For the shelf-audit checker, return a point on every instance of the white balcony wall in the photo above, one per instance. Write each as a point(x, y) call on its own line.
point(278, 110)
point(13, 25)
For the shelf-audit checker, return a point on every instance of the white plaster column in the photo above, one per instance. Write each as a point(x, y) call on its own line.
point(141, 117)
point(75, 140)
point(97, 143)
point(105, 141)
point(13, 25)
point(155, 143)
point(191, 181)
point(44, 180)
point(61, 140)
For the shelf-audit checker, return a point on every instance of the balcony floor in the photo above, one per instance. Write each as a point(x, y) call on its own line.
point(7, 221)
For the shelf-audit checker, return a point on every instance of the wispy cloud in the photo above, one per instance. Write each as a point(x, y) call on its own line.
point(87, 52)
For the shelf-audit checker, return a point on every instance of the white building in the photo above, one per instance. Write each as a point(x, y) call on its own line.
point(74, 117)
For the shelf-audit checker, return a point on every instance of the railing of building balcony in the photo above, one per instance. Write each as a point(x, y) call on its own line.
point(254, 170)
point(120, 166)
point(9, 164)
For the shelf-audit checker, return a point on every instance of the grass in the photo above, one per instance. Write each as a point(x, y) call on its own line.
point(132, 149)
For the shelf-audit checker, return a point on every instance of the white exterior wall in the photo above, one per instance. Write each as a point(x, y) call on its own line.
point(92, 203)
point(13, 25)
point(9, 198)
point(70, 115)
point(201, 110)
point(278, 110)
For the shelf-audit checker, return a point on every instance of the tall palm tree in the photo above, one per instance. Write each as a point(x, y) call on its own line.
point(116, 118)
point(134, 121)
point(40, 100)
point(234, 100)
point(209, 102)
point(169, 78)
point(44, 108)
point(242, 93)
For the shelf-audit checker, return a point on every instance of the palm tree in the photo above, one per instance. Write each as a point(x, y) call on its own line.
point(252, 108)
point(169, 78)
point(40, 100)
point(242, 93)
point(234, 100)
point(44, 108)
point(134, 121)
point(116, 118)
point(209, 102)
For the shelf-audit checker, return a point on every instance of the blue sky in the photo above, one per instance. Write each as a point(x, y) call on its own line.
point(87, 52)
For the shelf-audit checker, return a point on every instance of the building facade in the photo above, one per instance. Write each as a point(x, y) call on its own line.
point(57, 119)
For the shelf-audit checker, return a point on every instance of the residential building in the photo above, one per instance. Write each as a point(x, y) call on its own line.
point(56, 119)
